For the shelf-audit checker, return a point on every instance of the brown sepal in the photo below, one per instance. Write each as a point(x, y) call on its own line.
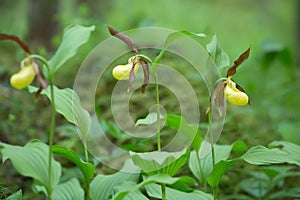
point(40, 76)
point(146, 74)
point(123, 37)
point(14, 38)
point(232, 70)
point(217, 96)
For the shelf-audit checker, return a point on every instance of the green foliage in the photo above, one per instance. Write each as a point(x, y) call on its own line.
point(264, 184)
point(154, 190)
point(16, 196)
point(68, 104)
point(267, 83)
point(69, 190)
point(160, 162)
point(32, 161)
point(169, 40)
point(74, 36)
point(87, 169)
point(102, 186)
point(157, 178)
point(202, 167)
point(217, 53)
point(260, 155)
point(191, 132)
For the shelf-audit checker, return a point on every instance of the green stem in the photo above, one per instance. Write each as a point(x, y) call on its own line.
point(51, 135)
point(215, 189)
point(203, 181)
point(215, 192)
point(86, 153)
point(52, 123)
point(163, 192)
point(211, 140)
point(88, 194)
point(157, 112)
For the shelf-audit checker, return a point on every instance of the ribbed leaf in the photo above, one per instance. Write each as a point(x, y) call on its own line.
point(74, 36)
point(87, 169)
point(260, 155)
point(68, 190)
point(68, 104)
point(189, 131)
point(15, 196)
point(154, 190)
point(218, 171)
point(32, 161)
point(128, 191)
point(170, 39)
point(217, 53)
point(203, 168)
point(160, 162)
point(158, 178)
point(102, 186)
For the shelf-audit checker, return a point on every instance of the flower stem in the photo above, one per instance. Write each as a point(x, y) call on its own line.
point(203, 180)
point(157, 112)
point(215, 189)
point(51, 135)
point(163, 191)
point(52, 123)
point(211, 140)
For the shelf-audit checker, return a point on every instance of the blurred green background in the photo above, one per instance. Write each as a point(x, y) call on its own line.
point(270, 76)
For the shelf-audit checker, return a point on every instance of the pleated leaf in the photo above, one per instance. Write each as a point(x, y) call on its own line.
point(160, 162)
point(32, 161)
point(154, 190)
point(87, 169)
point(69, 190)
point(102, 186)
point(68, 104)
point(74, 36)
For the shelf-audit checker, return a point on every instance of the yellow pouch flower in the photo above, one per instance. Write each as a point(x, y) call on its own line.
point(122, 72)
point(23, 78)
point(234, 95)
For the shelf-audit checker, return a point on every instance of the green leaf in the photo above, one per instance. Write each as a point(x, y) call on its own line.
point(102, 186)
point(217, 53)
point(218, 171)
point(68, 190)
point(128, 191)
point(292, 149)
point(159, 162)
point(151, 118)
point(15, 196)
point(288, 193)
point(202, 168)
point(154, 190)
point(191, 132)
point(170, 39)
point(74, 36)
point(68, 104)
point(32, 161)
point(157, 178)
point(260, 155)
point(87, 169)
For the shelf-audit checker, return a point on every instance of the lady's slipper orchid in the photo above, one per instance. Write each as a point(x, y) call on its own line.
point(122, 72)
point(234, 95)
point(24, 77)
point(228, 89)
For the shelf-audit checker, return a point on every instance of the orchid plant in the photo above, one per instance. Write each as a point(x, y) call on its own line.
point(158, 171)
